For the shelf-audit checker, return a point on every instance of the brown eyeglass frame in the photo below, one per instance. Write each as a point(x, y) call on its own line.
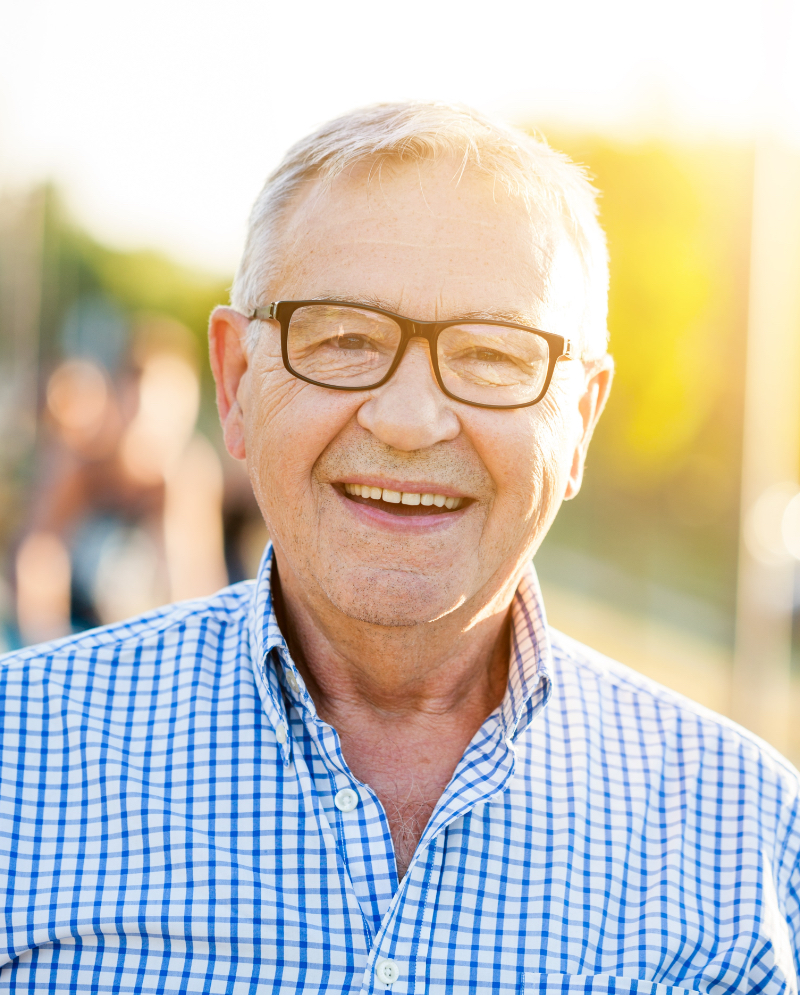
point(282, 311)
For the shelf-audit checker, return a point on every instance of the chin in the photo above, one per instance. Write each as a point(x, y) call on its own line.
point(393, 598)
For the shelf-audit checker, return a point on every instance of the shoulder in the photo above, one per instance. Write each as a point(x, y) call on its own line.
point(594, 678)
point(171, 637)
point(662, 730)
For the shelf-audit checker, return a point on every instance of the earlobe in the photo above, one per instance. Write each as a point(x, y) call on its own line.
point(233, 432)
point(229, 364)
point(576, 472)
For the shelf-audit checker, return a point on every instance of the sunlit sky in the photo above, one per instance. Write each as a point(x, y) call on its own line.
point(160, 119)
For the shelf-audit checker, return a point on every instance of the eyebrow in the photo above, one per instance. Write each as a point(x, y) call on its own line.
point(496, 314)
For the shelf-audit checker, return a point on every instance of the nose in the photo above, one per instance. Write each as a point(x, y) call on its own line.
point(410, 412)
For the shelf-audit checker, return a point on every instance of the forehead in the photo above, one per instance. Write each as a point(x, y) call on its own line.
point(422, 241)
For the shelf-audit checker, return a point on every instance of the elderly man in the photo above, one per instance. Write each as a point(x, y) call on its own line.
point(376, 767)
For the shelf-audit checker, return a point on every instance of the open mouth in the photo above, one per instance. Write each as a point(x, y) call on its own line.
point(406, 503)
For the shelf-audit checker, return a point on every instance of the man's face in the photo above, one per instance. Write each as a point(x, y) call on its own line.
point(416, 243)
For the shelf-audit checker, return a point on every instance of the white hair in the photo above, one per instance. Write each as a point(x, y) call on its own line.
point(546, 181)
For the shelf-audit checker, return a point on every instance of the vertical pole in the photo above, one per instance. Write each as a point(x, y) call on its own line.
point(771, 447)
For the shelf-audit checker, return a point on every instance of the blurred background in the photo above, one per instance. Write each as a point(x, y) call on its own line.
point(133, 139)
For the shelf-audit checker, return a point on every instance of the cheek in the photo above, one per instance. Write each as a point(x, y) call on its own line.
point(529, 455)
point(288, 424)
point(561, 428)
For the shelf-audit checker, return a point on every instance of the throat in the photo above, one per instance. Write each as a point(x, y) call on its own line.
point(407, 822)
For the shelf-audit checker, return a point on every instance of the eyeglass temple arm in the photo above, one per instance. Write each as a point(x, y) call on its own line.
point(264, 313)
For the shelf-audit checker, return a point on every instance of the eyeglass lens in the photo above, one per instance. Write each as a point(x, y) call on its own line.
point(348, 347)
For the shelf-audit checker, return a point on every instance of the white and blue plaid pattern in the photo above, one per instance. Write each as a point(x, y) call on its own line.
point(167, 824)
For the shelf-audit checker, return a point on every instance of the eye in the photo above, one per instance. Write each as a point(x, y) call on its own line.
point(481, 354)
point(488, 355)
point(352, 341)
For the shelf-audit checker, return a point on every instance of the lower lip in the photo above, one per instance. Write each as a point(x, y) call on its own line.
point(400, 523)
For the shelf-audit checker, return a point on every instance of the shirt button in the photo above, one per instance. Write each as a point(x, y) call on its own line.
point(280, 734)
point(388, 972)
point(346, 800)
point(291, 680)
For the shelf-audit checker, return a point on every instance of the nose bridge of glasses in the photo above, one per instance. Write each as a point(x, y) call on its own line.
point(421, 330)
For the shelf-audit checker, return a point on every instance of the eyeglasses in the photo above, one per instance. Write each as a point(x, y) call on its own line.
point(344, 346)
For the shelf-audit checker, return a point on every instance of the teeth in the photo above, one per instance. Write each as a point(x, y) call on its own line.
point(403, 497)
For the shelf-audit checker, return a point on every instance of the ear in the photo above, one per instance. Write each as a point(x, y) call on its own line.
point(599, 374)
point(226, 345)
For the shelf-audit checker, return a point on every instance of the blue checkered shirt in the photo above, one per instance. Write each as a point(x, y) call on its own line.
point(169, 823)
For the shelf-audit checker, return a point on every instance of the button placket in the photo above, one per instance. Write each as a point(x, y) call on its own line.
point(366, 848)
point(362, 832)
point(407, 926)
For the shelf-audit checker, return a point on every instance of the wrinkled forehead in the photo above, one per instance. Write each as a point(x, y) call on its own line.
point(426, 241)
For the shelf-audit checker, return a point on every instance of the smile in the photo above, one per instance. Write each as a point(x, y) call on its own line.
point(404, 503)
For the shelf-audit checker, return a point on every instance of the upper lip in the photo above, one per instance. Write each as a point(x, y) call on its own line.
point(404, 486)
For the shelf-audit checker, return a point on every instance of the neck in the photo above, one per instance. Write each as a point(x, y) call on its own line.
point(454, 664)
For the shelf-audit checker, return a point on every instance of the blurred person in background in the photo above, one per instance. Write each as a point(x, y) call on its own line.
point(127, 511)
point(377, 767)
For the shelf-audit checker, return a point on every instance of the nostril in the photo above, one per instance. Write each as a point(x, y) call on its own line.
point(407, 426)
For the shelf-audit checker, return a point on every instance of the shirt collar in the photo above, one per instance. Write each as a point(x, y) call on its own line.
point(529, 670)
point(266, 642)
point(265, 633)
point(529, 680)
